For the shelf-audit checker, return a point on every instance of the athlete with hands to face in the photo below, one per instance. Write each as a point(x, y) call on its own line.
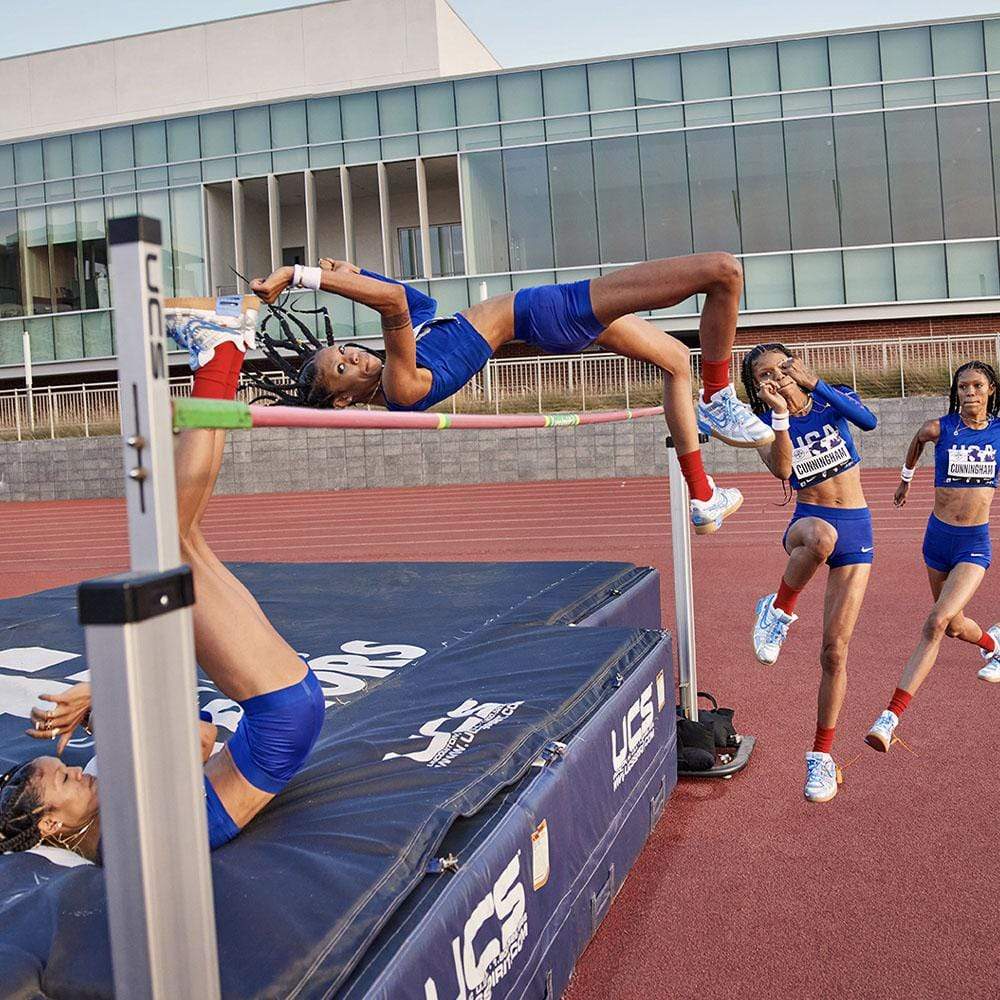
point(957, 550)
point(814, 451)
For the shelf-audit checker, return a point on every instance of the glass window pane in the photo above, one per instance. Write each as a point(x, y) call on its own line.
point(116, 148)
point(665, 197)
point(521, 97)
point(397, 112)
point(359, 117)
point(966, 172)
point(323, 119)
point(186, 237)
point(87, 160)
point(253, 134)
point(485, 213)
point(150, 140)
point(156, 205)
point(63, 258)
point(565, 92)
point(93, 254)
point(906, 54)
point(436, 110)
point(574, 206)
point(288, 128)
point(804, 63)
point(42, 339)
point(217, 139)
point(452, 295)
point(920, 273)
point(958, 48)
point(610, 85)
point(68, 337)
point(37, 281)
point(706, 74)
point(712, 173)
point(658, 81)
point(991, 36)
point(868, 276)
point(10, 344)
point(862, 180)
point(619, 200)
point(914, 175)
point(855, 59)
point(11, 288)
point(183, 143)
point(819, 279)
point(57, 154)
point(121, 206)
point(763, 197)
point(476, 101)
point(97, 341)
point(972, 270)
point(28, 161)
point(812, 193)
point(8, 197)
point(768, 282)
point(529, 218)
point(754, 70)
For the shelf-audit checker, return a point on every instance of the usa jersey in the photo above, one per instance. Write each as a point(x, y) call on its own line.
point(822, 445)
point(964, 456)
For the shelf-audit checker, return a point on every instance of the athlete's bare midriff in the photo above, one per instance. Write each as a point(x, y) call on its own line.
point(964, 506)
point(843, 491)
point(493, 319)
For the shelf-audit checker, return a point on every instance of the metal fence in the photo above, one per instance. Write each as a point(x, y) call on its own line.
point(876, 368)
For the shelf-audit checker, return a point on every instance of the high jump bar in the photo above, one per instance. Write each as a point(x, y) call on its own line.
point(222, 414)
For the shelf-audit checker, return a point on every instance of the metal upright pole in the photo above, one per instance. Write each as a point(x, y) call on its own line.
point(680, 537)
point(140, 648)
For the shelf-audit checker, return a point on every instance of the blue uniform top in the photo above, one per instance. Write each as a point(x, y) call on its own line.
point(822, 446)
point(966, 457)
point(450, 348)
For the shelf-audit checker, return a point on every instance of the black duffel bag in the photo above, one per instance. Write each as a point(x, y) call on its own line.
point(719, 721)
point(695, 745)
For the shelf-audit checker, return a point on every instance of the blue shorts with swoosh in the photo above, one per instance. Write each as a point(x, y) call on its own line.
point(855, 543)
point(947, 545)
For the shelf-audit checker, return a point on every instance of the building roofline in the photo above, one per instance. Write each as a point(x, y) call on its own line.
point(472, 31)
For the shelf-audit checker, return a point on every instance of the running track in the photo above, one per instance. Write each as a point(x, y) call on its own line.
point(744, 890)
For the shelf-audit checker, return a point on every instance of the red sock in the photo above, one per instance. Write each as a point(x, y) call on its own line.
point(218, 379)
point(985, 641)
point(714, 376)
point(785, 601)
point(824, 739)
point(694, 475)
point(900, 699)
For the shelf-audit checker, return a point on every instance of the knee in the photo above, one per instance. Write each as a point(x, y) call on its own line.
point(935, 626)
point(677, 361)
point(821, 544)
point(954, 628)
point(726, 271)
point(833, 656)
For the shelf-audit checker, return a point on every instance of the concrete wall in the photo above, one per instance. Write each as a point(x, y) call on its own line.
point(338, 46)
point(279, 460)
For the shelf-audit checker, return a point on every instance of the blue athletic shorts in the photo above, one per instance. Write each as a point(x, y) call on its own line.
point(855, 543)
point(557, 319)
point(947, 545)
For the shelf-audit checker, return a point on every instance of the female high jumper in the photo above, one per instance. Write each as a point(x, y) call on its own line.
point(814, 451)
point(957, 548)
point(45, 801)
point(428, 358)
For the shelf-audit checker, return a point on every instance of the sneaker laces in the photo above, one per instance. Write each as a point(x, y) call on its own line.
point(774, 628)
point(816, 768)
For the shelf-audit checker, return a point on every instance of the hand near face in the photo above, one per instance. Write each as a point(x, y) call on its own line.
point(797, 371)
point(70, 710)
point(770, 395)
point(269, 288)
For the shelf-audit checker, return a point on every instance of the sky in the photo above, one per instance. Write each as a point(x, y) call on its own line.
point(518, 32)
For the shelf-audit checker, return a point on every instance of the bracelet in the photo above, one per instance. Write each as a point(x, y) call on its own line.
point(306, 277)
point(779, 422)
point(906, 473)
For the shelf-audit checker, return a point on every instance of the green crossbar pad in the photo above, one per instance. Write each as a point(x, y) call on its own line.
point(218, 414)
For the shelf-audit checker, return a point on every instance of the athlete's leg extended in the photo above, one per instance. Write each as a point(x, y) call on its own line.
point(961, 626)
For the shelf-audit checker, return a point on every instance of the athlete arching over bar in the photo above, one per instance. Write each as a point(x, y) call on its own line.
point(428, 358)
point(43, 800)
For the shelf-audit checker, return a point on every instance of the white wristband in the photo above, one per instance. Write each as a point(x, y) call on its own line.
point(306, 277)
point(779, 422)
point(906, 473)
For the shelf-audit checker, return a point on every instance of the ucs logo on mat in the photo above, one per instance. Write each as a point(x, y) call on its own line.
point(448, 741)
point(480, 966)
point(637, 730)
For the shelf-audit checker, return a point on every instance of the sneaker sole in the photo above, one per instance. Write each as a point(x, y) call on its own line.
point(989, 680)
point(819, 798)
point(713, 526)
point(876, 743)
point(734, 443)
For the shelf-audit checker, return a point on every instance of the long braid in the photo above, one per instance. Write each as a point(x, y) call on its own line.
point(20, 810)
point(993, 406)
point(746, 373)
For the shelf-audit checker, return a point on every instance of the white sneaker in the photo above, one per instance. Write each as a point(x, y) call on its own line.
point(821, 777)
point(881, 734)
point(991, 672)
point(770, 629)
point(726, 418)
point(707, 515)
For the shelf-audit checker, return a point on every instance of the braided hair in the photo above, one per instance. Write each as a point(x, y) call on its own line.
point(302, 389)
point(20, 810)
point(993, 406)
point(746, 373)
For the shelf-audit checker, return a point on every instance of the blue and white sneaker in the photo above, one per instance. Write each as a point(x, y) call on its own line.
point(726, 418)
point(770, 630)
point(991, 672)
point(821, 777)
point(707, 515)
point(883, 732)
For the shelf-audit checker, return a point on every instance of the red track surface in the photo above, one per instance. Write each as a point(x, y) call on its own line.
point(744, 890)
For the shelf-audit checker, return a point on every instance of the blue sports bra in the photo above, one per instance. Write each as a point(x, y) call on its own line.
point(965, 457)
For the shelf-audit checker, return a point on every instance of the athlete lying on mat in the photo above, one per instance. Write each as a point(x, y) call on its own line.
point(957, 548)
point(427, 358)
point(814, 451)
point(43, 800)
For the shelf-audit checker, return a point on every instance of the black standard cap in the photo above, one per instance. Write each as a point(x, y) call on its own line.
point(134, 597)
point(134, 229)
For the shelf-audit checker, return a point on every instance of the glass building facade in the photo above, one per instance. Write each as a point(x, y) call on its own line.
point(855, 169)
